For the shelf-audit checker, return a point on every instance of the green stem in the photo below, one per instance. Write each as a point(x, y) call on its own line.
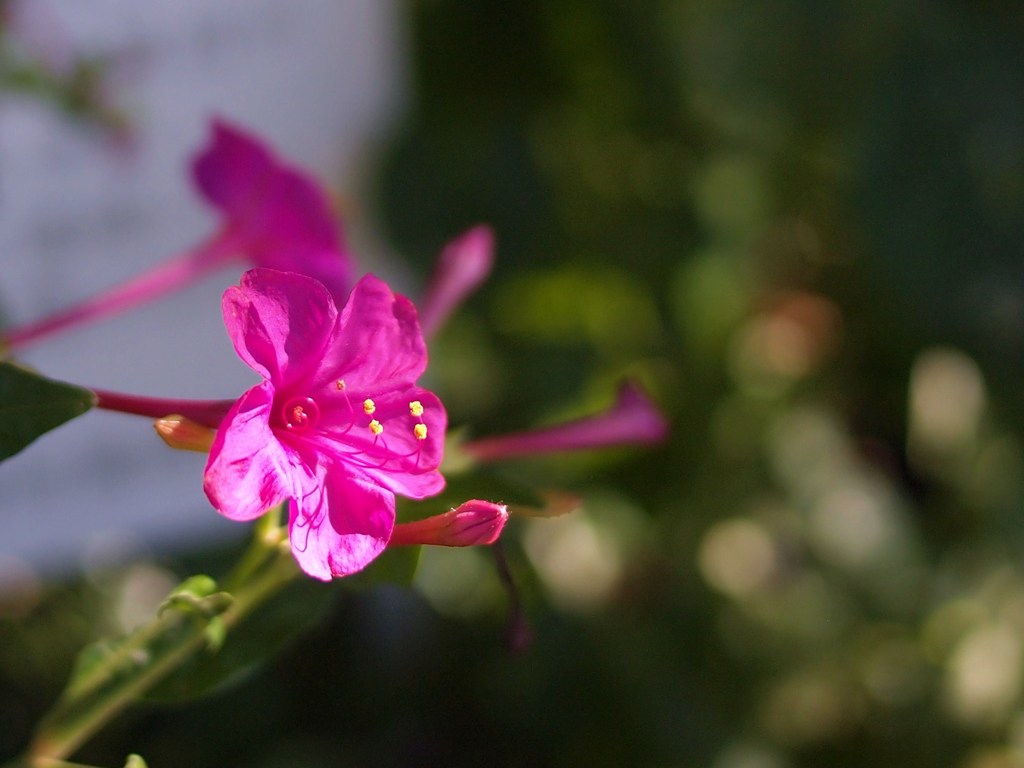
point(153, 652)
point(268, 537)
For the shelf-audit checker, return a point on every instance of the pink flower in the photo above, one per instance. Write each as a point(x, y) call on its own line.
point(633, 419)
point(464, 264)
point(274, 216)
point(338, 425)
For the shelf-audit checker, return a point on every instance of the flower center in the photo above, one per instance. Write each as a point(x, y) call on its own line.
point(300, 413)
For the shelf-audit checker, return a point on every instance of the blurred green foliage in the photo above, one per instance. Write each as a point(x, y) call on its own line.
point(800, 224)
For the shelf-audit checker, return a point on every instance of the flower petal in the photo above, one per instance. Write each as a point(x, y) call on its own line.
point(397, 458)
point(279, 322)
point(248, 470)
point(232, 170)
point(377, 344)
point(282, 213)
point(339, 527)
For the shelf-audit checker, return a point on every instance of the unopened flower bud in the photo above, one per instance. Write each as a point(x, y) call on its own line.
point(184, 434)
point(473, 523)
point(464, 264)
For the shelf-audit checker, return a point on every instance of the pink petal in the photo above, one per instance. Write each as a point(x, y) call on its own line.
point(396, 459)
point(282, 212)
point(632, 419)
point(248, 470)
point(339, 527)
point(463, 265)
point(279, 322)
point(377, 345)
point(231, 169)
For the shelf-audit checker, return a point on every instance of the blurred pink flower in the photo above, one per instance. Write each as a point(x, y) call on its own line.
point(276, 215)
point(273, 215)
point(633, 419)
point(338, 425)
point(463, 265)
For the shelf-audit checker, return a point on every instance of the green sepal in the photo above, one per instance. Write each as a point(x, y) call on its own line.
point(199, 594)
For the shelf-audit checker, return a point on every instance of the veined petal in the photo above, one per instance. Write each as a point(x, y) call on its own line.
point(377, 343)
point(403, 457)
point(322, 264)
point(340, 526)
point(279, 322)
point(248, 470)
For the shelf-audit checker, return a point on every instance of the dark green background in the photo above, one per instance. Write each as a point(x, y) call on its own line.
point(774, 214)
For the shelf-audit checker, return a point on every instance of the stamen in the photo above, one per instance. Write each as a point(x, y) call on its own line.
point(420, 430)
point(416, 408)
point(341, 385)
point(376, 427)
point(369, 406)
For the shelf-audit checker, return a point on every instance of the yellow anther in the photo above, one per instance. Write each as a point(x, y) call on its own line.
point(369, 406)
point(376, 427)
point(416, 408)
point(341, 384)
point(420, 430)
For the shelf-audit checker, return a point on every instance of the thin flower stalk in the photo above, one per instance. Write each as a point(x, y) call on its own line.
point(166, 277)
point(207, 413)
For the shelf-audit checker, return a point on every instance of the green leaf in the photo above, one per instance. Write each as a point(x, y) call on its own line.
point(197, 600)
point(229, 658)
point(31, 405)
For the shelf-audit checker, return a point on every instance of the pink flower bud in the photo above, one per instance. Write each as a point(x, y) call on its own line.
point(464, 264)
point(474, 523)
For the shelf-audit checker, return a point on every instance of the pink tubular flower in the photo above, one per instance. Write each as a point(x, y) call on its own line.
point(464, 264)
point(633, 419)
point(473, 523)
point(273, 215)
point(337, 426)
